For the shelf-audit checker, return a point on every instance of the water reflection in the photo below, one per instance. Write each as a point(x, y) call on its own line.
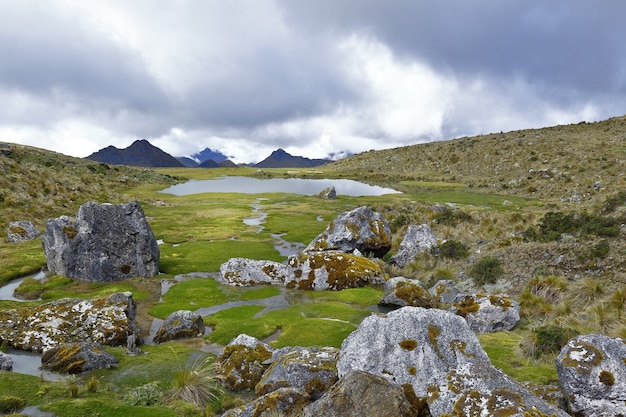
point(248, 185)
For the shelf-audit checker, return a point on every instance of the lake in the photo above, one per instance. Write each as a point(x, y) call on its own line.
point(249, 185)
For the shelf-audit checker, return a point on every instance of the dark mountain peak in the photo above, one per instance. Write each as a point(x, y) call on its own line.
point(282, 159)
point(139, 153)
point(208, 153)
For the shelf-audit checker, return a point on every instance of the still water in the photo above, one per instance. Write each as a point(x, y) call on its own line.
point(248, 185)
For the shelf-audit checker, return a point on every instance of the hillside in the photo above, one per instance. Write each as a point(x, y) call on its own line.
point(140, 153)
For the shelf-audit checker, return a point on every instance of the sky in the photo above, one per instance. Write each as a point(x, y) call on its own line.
point(317, 78)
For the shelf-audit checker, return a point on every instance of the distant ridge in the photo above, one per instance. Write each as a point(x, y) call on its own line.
point(206, 154)
point(210, 163)
point(141, 153)
point(281, 159)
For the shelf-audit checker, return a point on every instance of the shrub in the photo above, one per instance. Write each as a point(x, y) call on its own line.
point(600, 250)
point(452, 217)
point(197, 385)
point(486, 270)
point(11, 404)
point(550, 339)
point(148, 394)
point(453, 249)
point(613, 202)
point(92, 384)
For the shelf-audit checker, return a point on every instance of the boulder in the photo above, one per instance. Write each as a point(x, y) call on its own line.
point(181, 324)
point(435, 353)
point(284, 402)
point(243, 362)
point(106, 320)
point(332, 271)
point(417, 239)
point(362, 229)
point(402, 292)
point(246, 272)
point(74, 358)
point(312, 370)
point(6, 362)
point(444, 291)
point(328, 193)
point(487, 314)
point(20, 231)
point(592, 372)
point(103, 243)
point(360, 394)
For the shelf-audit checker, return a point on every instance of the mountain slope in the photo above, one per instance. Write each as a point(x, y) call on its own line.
point(140, 153)
point(208, 153)
point(281, 159)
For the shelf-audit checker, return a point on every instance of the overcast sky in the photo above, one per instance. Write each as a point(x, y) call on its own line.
point(313, 77)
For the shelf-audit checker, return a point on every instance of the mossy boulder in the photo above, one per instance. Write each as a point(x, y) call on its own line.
point(74, 358)
point(402, 292)
point(592, 372)
point(181, 324)
point(21, 230)
point(362, 229)
point(444, 291)
point(6, 362)
point(417, 239)
point(246, 272)
point(487, 314)
point(243, 362)
point(332, 271)
point(284, 402)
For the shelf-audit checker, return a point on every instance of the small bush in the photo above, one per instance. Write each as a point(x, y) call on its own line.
point(92, 384)
point(613, 202)
point(452, 217)
point(486, 270)
point(453, 249)
point(551, 339)
point(11, 404)
point(148, 394)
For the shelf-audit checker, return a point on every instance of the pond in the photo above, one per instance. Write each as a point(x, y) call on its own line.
point(249, 185)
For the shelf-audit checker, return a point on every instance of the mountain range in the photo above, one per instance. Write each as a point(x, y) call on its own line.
point(143, 153)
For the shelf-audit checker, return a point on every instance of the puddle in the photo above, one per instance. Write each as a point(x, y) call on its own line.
point(6, 291)
point(29, 363)
point(285, 248)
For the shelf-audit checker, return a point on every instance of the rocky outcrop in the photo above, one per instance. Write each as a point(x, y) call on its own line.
point(312, 370)
point(74, 358)
point(245, 272)
point(332, 271)
point(243, 362)
point(402, 292)
point(417, 239)
point(6, 362)
point(444, 291)
point(284, 402)
point(328, 193)
point(20, 231)
point(361, 228)
point(181, 324)
point(360, 394)
point(103, 243)
point(107, 320)
point(439, 357)
point(592, 372)
point(487, 314)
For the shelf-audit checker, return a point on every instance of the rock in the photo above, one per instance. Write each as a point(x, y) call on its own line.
point(592, 372)
point(103, 243)
point(360, 394)
point(243, 362)
point(402, 292)
point(6, 362)
point(444, 291)
point(246, 272)
point(312, 370)
point(107, 320)
point(284, 402)
point(484, 314)
point(332, 271)
point(361, 228)
point(5, 149)
point(328, 193)
point(181, 324)
point(438, 355)
point(20, 231)
point(74, 358)
point(418, 239)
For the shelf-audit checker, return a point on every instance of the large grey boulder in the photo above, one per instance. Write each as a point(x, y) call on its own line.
point(402, 292)
point(106, 320)
point(360, 394)
point(332, 271)
point(20, 231)
point(6, 362)
point(361, 228)
point(74, 358)
point(103, 243)
point(487, 314)
point(181, 324)
point(243, 362)
point(284, 402)
point(439, 356)
point(246, 272)
point(444, 291)
point(312, 370)
point(417, 239)
point(592, 372)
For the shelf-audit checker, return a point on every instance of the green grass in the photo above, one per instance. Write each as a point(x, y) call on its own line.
point(19, 259)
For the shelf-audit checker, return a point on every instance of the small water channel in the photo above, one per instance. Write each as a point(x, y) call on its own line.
point(7, 291)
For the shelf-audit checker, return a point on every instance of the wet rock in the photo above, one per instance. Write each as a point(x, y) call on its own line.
point(6, 362)
point(444, 291)
point(328, 193)
point(181, 324)
point(107, 320)
point(439, 356)
point(284, 402)
point(418, 239)
point(74, 358)
point(361, 228)
point(487, 314)
point(20, 231)
point(592, 372)
point(312, 370)
point(359, 394)
point(332, 271)
point(103, 243)
point(402, 292)
point(246, 272)
point(243, 362)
